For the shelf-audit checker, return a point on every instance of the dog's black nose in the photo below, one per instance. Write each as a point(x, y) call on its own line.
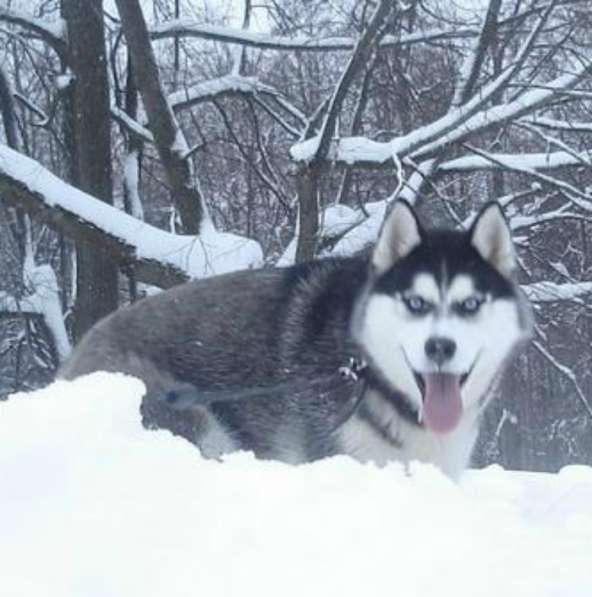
point(440, 350)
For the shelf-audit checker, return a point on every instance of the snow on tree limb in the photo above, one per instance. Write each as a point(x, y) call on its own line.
point(366, 153)
point(156, 257)
point(560, 125)
point(45, 300)
point(546, 292)
point(463, 120)
point(453, 127)
point(499, 114)
point(347, 151)
point(531, 161)
point(43, 304)
point(132, 126)
point(231, 84)
point(192, 28)
point(204, 91)
point(573, 194)
point(411, 187)
point(52, 32)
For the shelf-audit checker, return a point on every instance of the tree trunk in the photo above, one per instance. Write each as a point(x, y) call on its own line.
point(308, 212)
point(96, 276)
point(168, 138)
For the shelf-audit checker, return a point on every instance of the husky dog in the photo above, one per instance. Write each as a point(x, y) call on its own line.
point(385, 356)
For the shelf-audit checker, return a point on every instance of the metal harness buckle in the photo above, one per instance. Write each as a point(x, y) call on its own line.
point(353, 370)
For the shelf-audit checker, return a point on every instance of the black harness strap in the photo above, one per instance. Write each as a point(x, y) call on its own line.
point(352, 377)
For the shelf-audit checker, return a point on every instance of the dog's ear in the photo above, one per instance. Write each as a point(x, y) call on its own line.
point(400, 234)
point(491, 236)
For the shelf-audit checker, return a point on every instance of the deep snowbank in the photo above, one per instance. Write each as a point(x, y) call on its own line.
point(93, 505)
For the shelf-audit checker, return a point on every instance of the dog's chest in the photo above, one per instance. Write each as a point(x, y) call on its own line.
point(377, 433)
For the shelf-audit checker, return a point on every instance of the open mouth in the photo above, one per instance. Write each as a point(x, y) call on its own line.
point(442, 402)
point(419, 380)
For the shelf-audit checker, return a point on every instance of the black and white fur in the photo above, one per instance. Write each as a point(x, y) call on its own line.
point(327, 357)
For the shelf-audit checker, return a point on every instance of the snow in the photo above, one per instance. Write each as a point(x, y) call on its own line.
point(53, 29)
point(365, 233)
point(131, 180)
point(132, 125)
point(411, 187)
point(191, 28)
point(210, 253)
point(358, 230)
point(532, 161)
point(498, 114)
point(348, 150)
point(545, 291)
point(217, 87)
point(44, 300)
point(566, 125)
point(64, 80)
point(179, 145)
point(93, 505)
point(458, 123)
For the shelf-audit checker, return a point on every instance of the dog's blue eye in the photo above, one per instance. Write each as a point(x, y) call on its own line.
point(469, 306)
point(416, 304)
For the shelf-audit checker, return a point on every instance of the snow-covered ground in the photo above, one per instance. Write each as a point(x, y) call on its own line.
point(92, 505)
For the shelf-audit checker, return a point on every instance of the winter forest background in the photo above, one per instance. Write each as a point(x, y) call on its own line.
point(213, 135)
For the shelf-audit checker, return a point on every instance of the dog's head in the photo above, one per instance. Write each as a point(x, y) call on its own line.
point(442, 312)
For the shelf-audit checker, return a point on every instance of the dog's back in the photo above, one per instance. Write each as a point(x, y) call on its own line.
point(278, 335)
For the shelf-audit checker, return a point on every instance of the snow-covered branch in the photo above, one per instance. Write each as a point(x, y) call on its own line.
point(43, 302)
point(579, 198)
point(156, 257)
point(52, 32)
point(366, 153)
point(559, 125)
point(210, 90)
point(420, 142)
point(454, 127)
point(196, 29)
point(231, 84)
point(191, 28)
point(132, 126)
point(546, 292)
point(530, 161)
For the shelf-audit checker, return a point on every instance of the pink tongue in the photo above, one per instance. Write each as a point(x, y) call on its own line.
point(442, 404)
